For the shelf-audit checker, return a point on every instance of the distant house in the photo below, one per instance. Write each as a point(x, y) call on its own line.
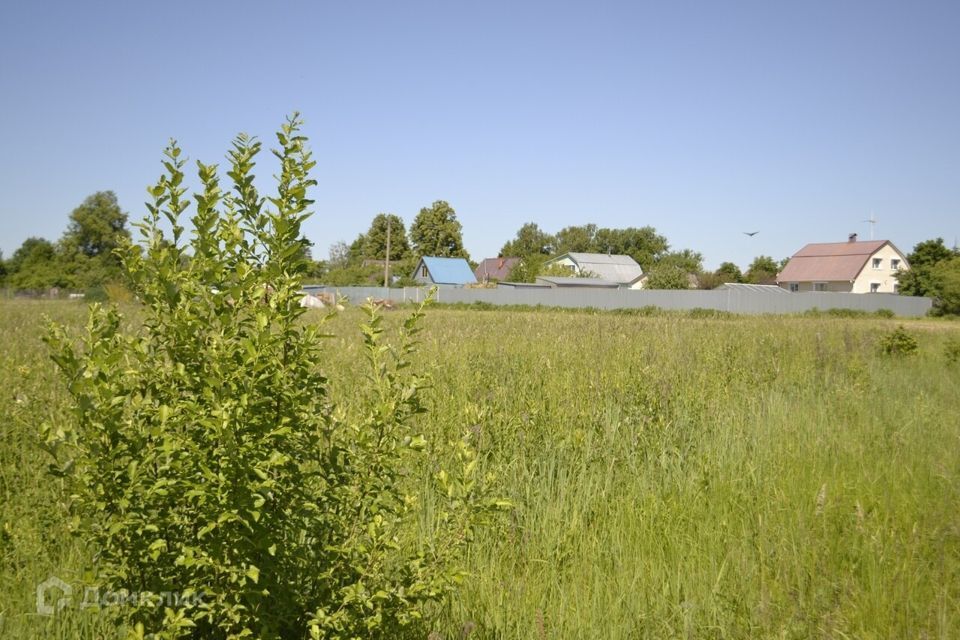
point(620, 269)
point(444, 271)
point(756, 288)
point(564, 282)
point(851, 267)
point(495, 269)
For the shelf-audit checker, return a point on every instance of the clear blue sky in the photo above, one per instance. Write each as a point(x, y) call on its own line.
point(702, 119)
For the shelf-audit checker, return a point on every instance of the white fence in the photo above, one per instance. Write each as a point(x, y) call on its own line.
point(745, 302)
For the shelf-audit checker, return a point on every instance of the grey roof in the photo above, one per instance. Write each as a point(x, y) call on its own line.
point(522, 285)
point(742, 286)
point(617, 268)
point(564, 281)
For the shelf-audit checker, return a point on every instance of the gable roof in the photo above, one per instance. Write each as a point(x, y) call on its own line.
point(746, 286)
point(830, 261)
point(447, 270)
point(618, 268)
point(495, 268)
point(567, 281)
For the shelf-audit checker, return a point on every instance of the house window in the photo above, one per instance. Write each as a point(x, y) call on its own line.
point(895, 264)
point(819, 286)
point(874, 287)
point(423, 271)
point(794, 287)
point(877, 262)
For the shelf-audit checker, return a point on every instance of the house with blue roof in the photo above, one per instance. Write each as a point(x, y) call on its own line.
point(444, 271)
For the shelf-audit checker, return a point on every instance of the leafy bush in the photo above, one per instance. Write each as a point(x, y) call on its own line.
point(204, 456)
point(898, 342)
point(96, 293)
point(700, 313)
point(951, 350)
point(668, 277)
point(884, 313)
point(846, 313)
point(116, 292)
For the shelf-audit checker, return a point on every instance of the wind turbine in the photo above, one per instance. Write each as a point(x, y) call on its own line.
point(872, 220)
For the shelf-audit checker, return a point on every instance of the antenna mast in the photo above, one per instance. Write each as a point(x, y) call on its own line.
point(872, 220)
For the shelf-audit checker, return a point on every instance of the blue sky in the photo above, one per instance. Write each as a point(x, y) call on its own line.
point(701, 119)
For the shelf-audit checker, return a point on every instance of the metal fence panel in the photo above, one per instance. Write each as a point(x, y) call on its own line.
point(741, 302)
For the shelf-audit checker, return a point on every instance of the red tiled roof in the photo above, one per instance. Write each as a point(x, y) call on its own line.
point(829, 261)
point(495, 268)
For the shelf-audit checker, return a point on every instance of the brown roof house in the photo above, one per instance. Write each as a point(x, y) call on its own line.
point(849, 267)
point(495, 269)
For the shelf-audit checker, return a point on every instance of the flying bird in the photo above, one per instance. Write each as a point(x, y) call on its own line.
point(750, 233)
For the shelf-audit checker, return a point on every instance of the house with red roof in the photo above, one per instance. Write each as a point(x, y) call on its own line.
point(849, 267)
point(495, 269)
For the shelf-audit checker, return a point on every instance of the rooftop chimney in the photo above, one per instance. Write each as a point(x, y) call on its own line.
point(852, 238)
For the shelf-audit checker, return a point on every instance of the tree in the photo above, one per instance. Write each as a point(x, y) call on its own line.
point(668, 276)
point(97, 227)
point(643, 244)
point(762, 270)
point(529, 241)
point(929, 253)
point(339, 255)
point(919, 279)
point(375, 240)
point(355, 252)
point(437, 232)
point(946, 286)
point(576, 239)
point(687, 260)
point(35, 266)
point(527, 269)
point(729, 272)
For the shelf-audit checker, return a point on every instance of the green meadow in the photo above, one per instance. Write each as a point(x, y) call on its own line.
point(672, 476)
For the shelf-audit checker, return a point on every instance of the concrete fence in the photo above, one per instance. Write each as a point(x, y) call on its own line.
point(745, 302)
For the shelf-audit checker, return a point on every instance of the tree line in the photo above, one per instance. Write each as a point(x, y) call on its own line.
point(84, 258)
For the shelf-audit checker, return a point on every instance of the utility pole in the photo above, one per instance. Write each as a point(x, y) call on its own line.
point(386, 263)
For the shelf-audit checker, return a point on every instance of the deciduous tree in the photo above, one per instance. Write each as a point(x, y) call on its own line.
point(437, 232)
point(530, 240)
point(375, 240)
point(762, 270)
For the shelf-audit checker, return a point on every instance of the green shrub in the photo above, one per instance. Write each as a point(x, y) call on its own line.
point(884, 313)
point(96, 294)
point(846, 313)
point(204, 456)
point(951, 350)
point(898, 342)
point(700, 313)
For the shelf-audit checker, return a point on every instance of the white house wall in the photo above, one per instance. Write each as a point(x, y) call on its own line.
point(885, 275)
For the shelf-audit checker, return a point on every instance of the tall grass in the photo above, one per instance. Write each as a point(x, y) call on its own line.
point(674, 477)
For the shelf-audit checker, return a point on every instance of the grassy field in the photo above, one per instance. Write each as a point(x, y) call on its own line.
point(672, 476)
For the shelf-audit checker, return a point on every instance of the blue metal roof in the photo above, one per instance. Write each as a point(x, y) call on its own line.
point(449, 270)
